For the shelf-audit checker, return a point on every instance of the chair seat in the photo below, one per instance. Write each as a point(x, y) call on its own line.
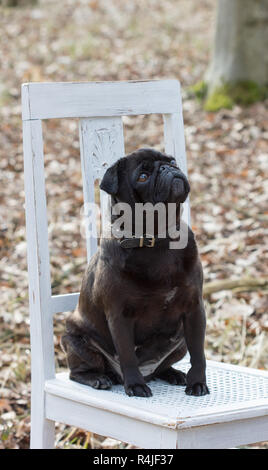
point(236, 393)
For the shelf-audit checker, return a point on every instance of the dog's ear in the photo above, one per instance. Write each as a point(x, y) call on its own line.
point(109, 182)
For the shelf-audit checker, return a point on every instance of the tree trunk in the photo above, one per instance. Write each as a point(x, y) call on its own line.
point(241, 43)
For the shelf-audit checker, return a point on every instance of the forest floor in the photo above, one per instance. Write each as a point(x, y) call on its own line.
point(80, 40)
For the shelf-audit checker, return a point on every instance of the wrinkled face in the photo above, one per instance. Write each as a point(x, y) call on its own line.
point(146, 176)
point(159, 180)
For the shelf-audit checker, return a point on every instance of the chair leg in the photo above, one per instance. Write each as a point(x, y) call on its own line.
point(42, 433)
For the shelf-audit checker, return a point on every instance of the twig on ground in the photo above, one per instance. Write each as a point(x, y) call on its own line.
point(228, 284)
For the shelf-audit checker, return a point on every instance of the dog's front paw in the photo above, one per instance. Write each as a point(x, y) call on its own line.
point(198, 389)
point(138, 390)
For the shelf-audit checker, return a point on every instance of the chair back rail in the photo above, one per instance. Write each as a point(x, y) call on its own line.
point(93, 99)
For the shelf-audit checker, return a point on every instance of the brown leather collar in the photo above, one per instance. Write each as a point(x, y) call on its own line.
point(146, 241)
point(142, 242)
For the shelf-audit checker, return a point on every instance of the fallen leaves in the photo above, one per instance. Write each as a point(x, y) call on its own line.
point(4, 405)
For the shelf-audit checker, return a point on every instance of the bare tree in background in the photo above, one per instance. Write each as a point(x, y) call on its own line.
point(241, 43)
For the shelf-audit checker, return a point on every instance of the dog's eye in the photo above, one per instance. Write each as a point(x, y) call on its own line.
point(143, 177)
point(173, 162)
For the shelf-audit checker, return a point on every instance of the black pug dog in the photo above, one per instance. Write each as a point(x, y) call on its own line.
point(140, 307)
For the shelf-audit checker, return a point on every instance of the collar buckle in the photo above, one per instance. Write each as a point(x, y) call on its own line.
point(149, 242)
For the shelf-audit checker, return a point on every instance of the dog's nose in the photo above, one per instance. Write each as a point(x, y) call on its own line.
point(176, 173)
point(180, 187)
point(164, 167)
point(171, 169)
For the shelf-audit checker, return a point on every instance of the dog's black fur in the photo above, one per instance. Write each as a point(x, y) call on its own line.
point(136, 303)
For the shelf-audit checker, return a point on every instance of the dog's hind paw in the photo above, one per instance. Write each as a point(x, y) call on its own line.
point(102, 382)
point(138, 390)
point(172, 376)
point(99, 381)
point(197, 389)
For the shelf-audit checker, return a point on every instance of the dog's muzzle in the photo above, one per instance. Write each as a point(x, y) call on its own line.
point(172, 185)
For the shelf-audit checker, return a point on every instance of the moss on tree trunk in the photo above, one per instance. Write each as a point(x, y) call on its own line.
point(238, 72)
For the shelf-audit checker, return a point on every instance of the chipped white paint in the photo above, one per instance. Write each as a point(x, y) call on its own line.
point(236, 411)
point(76, 100)
point(42, 364)
point(175, 146)
point(101, 143)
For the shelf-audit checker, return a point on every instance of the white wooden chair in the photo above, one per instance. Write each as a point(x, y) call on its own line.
point(236, 411)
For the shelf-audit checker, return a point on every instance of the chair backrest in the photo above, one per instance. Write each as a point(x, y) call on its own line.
point(99, 107)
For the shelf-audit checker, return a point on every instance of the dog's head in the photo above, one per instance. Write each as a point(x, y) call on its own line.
point(146, 176)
